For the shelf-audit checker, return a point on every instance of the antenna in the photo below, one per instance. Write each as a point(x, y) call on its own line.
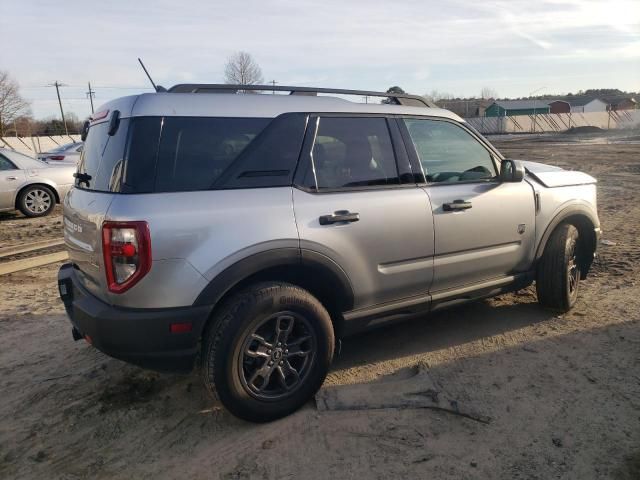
point(157, 88)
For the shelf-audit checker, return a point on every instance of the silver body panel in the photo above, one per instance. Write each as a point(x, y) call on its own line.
point(493, 238)
point(387, 254)
point(29, 172)
point(403, 246)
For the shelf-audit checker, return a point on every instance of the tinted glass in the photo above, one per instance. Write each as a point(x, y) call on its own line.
point(353, 152)
point(141, 155)
point(101, 162)
point(194, 151)
point(271, 159)
point(448, 153)
point(6, 164)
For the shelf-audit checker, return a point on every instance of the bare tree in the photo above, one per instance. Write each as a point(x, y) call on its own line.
point(487, 93)
point(242, 69)
point(436, 96)
point(12, 105)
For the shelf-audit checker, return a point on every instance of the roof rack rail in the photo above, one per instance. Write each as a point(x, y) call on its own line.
point(400, 98)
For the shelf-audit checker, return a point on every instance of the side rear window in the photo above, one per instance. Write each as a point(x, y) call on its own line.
point(101, 162)
point(172, 154)
point(351, 152)
point(194, 152)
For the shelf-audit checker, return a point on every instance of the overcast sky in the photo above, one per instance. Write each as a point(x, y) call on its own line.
point(458, 46)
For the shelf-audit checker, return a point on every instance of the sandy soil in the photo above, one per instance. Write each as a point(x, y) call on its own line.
point(562, 392)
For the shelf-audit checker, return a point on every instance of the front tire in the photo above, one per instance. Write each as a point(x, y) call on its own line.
point(558, 273)
point(268, 350)
point(36, 201)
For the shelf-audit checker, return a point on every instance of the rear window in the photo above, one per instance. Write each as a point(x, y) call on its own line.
point(176, 154)
point(101, 162)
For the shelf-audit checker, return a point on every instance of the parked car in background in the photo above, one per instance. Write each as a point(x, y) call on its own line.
point(32, 186)
point(68, 153)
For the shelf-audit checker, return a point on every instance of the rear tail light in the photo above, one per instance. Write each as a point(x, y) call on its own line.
point(126, 247)
point(56, 157)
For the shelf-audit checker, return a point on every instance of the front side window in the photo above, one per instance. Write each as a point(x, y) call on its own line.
point(353, 152)
point(448, 153)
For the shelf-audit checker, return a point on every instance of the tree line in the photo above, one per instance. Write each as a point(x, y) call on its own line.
point(240, 69)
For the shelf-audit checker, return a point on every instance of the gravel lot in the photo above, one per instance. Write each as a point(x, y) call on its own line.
point(561, 393)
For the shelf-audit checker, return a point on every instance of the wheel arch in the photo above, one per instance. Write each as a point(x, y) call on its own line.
point(310, 270)
point(588, 225)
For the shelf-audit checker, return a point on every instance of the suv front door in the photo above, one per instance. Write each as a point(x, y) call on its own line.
point(484, 228)
point(352, 206)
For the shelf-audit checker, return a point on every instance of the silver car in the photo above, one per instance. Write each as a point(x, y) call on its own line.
point(32, 186)
point(65, 154)
point(253, 231)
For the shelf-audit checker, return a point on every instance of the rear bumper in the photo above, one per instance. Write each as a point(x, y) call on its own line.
point(138, 336)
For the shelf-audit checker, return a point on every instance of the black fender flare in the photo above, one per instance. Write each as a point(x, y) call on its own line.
point(301, 261)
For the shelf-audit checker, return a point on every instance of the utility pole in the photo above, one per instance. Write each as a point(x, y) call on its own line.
point(273, 82)
point(58, 85)
point(91, 94)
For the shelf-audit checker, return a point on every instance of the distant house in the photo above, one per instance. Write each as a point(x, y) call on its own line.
point(507, 108)
point(586, 104)
point(622, 103)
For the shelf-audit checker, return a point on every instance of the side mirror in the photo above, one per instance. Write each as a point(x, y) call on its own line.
point(511, 171)
point(85, 130)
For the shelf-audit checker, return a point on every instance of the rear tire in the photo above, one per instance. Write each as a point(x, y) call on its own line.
point(558, 272)
point(36, 201)
point(267, 352)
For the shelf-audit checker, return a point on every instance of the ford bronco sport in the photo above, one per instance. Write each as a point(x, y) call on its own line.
point(252, 231)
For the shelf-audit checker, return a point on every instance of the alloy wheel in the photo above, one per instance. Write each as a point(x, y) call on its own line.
point(277, 356)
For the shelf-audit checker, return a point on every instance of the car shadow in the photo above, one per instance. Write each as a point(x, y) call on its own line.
point(440, 330)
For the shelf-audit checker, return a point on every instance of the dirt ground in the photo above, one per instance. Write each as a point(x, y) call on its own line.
point(561, 392)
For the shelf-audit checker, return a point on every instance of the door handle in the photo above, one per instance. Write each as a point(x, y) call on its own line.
point(456, 205)
point(339, 216)
point(12, 178)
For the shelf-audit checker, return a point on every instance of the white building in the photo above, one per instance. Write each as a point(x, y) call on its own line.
point(586, 105)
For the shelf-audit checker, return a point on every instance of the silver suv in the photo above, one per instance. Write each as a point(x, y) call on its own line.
point(251, 231)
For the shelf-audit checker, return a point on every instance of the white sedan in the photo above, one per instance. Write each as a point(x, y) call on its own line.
point(32, 186)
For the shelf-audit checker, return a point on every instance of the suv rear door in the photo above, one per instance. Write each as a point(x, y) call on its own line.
point(484, 229)
point(85, 206)
point(354, 205)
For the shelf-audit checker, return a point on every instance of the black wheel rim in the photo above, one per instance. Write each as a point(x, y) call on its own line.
point(277, 355)
point(573, 272)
